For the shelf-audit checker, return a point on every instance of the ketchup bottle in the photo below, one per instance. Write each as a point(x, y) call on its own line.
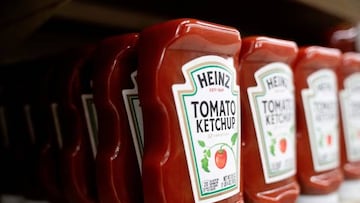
point(25, 131)
point(268, 119)
point(79, 148)
point(191, 110)
point(35, 114)
point(349, 98)
point(120, 132)
point(50, 157)
point(11, 155)
point(345, 37)
point(318, 149)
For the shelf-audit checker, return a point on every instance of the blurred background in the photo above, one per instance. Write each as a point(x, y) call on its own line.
point(33, 28)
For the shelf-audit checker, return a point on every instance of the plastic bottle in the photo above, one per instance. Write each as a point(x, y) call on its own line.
point(268, 119)
point(78, 150)
point(35, 114)
point(119, 155)
point(345, 37)
point(349, 98)
point(191, 110)
point(318, 149)
point(12, 187)
point(23, 114)
point(50, 157)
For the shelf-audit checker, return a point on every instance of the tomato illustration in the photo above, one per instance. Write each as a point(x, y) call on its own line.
point(329, 139)
point(283, 145)
point(220, 158)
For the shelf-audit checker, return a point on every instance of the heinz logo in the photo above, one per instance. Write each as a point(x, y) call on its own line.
point(214, 77)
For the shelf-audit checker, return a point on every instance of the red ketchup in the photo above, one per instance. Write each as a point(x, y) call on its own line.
point(349, 99)
point(50, 157)
point(318, 149)
point(190, 102)
point(119, 154)
point(78, 147)
point(268, 119)
point(11, 182)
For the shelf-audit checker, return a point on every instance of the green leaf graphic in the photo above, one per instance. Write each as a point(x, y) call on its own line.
point(292, 129)
point(205, 164)
point(321, 141)
point(208, 153)
point(272, 149)
point(201, 143)
point(234, 138)
point(269, 133)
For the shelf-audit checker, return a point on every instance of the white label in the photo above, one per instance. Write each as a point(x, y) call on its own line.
point(272, 105)
point(134, 114)
point(4, 128)
point(35, 201)
point(350, 111)
point(320, 105)
point(357, 38)
point(55, 115)
point(208, 108)
point(91, 120)
point(29, 122)
point(9, 198)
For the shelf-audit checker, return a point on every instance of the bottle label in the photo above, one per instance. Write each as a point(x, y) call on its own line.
point(29, 123)
point(209, 116)
point(357, 38)
point(4, 128)
point(91, 120)
point(134, 114)
point(272, 105)
point(350, 111)
point(320, 105)
point(55, 115)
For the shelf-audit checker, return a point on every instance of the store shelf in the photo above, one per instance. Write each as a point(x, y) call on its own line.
point(106, 15)
point(345, 9)
point(70, 23)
